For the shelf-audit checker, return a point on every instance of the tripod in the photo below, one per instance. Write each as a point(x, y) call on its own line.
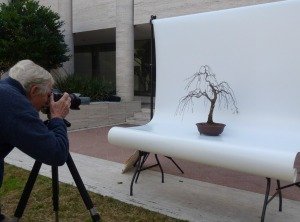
point(55, 189)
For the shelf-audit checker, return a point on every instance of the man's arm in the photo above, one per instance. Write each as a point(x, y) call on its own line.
point(47, 144)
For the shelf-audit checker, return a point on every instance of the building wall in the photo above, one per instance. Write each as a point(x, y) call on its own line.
point(101, 14)
point(143, 9)
point(64, 9)
point(93, 15)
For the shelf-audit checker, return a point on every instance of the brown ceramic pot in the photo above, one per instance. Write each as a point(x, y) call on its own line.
point(210, 129)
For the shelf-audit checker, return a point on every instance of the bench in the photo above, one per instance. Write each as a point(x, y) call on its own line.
point(256, 50)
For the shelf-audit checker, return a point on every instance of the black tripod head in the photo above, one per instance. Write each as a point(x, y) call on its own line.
point(67, 123)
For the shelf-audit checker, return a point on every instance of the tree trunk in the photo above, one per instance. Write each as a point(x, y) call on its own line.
point(211, 111)
point(212, 105)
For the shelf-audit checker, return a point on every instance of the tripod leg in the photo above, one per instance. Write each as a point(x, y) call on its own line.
point(27, 190)
point(55, 191)
point(82, 190)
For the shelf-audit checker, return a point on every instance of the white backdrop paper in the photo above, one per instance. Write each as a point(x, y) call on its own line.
point(256, 50)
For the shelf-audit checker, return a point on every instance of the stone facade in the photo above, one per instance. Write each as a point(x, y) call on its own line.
point(143, 9)
point(93, 15)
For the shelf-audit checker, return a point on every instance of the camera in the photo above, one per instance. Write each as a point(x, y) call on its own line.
point(75, 100)
point(57, 94)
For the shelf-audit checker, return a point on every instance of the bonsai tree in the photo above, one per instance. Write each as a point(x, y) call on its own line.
point(31, 31)
point(203, 84)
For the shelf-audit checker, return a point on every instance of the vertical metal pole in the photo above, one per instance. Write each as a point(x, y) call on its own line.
point(153, 66)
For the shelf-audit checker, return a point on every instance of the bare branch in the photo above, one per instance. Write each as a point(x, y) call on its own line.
point(204, 84)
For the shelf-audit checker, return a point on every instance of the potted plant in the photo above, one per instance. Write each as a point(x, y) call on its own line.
point(203, 84)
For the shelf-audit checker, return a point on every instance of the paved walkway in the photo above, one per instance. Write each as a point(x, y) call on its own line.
point(202, 193)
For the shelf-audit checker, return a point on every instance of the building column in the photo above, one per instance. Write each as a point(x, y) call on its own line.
point(65, 10)
point(124, 50)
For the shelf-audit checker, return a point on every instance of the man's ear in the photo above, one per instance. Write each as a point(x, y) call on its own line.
point(33, 90)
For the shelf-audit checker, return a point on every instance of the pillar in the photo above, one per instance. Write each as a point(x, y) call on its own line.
point(124, 50)
point(65, 9)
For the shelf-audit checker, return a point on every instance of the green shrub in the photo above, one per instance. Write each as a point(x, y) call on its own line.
point(95, 88)
point(31, 31)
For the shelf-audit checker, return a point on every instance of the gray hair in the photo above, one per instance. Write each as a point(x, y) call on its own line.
point(28, 73)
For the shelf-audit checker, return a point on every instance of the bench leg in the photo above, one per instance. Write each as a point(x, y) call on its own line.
point(279, 194)
point(178, 167)
point(144, 156)
point(266, 200)
point(137, 167)
point(161, 169)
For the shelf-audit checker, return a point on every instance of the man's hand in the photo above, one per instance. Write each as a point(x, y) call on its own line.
point(60, 108)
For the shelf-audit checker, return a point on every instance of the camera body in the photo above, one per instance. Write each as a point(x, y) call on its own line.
point(75, 100)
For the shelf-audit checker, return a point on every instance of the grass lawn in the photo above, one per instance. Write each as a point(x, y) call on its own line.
point(39, 207)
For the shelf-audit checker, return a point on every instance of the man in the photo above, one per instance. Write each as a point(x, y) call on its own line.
point(22, 95)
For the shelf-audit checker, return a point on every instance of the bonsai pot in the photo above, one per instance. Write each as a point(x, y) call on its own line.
point(210, 129)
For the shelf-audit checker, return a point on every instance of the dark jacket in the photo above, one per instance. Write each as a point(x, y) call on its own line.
point(21, 127)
